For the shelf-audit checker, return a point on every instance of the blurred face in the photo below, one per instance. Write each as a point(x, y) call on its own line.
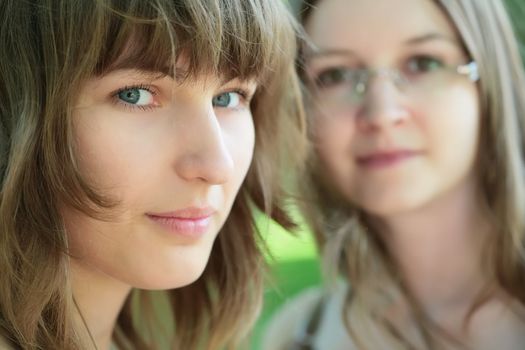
point(395, 120)
point(173, 156)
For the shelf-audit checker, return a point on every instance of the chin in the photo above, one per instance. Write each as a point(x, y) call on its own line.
point(183, 274)
point(165, 284)
point(387, 209)
point(391, 204)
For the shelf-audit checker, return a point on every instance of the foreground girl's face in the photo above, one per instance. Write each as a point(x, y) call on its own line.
point(173, 156)
point(400, 145)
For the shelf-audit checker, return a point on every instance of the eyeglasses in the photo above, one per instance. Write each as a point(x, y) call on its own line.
point(341, 87)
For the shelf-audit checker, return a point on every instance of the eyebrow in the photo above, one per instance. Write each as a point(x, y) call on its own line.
point(146, 73)
point(328, 53)
point(181, 75)
point(431, 37)
point(320, 52)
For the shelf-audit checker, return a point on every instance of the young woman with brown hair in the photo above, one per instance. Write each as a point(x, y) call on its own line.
point(136, 138)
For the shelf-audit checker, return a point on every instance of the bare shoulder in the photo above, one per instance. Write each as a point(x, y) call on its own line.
point(282, 327)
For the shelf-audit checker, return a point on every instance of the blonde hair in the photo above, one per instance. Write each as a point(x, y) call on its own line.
point(48, 48)
point(349, 244)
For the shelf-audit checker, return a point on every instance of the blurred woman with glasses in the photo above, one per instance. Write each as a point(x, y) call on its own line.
point(416, 183)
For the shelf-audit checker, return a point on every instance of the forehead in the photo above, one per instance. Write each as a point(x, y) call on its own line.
point(375, 24)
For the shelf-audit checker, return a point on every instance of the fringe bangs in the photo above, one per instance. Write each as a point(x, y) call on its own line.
point(237, 38)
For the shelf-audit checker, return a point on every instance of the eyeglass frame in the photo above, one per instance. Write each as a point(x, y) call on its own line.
point(470, 70)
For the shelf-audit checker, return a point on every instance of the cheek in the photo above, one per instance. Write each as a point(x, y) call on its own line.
point(101, 150)
point(118, 157)
point(239, 136)
point(88, 238)
point(103, 164)
point(453, 130)
point(333, 141)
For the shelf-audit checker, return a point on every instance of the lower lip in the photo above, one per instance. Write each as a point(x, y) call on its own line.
point(188, 227)
point(385, 161)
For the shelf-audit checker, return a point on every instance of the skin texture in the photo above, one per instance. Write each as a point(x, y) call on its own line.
point(181, 148)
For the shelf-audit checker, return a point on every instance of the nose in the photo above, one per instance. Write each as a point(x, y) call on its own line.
point(382, 107)
point(204, 155)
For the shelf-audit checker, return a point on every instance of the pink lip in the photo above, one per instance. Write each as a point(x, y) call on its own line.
point(190, 222)
point(383, 159)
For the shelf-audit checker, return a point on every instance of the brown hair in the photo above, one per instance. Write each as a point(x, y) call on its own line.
point(48, 48)
point(349, 245)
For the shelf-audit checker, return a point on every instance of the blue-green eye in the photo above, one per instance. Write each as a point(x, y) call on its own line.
point(423, 64)
point(136, 96)
point(227, 100)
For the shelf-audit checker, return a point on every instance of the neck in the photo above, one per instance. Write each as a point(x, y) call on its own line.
point(99, 298)
point(438, 249)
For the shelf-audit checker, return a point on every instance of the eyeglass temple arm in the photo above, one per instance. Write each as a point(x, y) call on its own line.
point(470, 69)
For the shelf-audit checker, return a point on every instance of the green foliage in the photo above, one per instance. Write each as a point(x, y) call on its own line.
point(516, 9)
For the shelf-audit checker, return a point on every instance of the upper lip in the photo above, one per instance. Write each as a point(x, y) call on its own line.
point(186, 213)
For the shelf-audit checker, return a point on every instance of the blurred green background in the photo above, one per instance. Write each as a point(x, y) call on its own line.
point(293, 266)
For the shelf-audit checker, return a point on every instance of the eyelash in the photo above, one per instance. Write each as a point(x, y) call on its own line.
point(245, 96)
point(353, 65)
point(116, 100)
point(243, 93)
